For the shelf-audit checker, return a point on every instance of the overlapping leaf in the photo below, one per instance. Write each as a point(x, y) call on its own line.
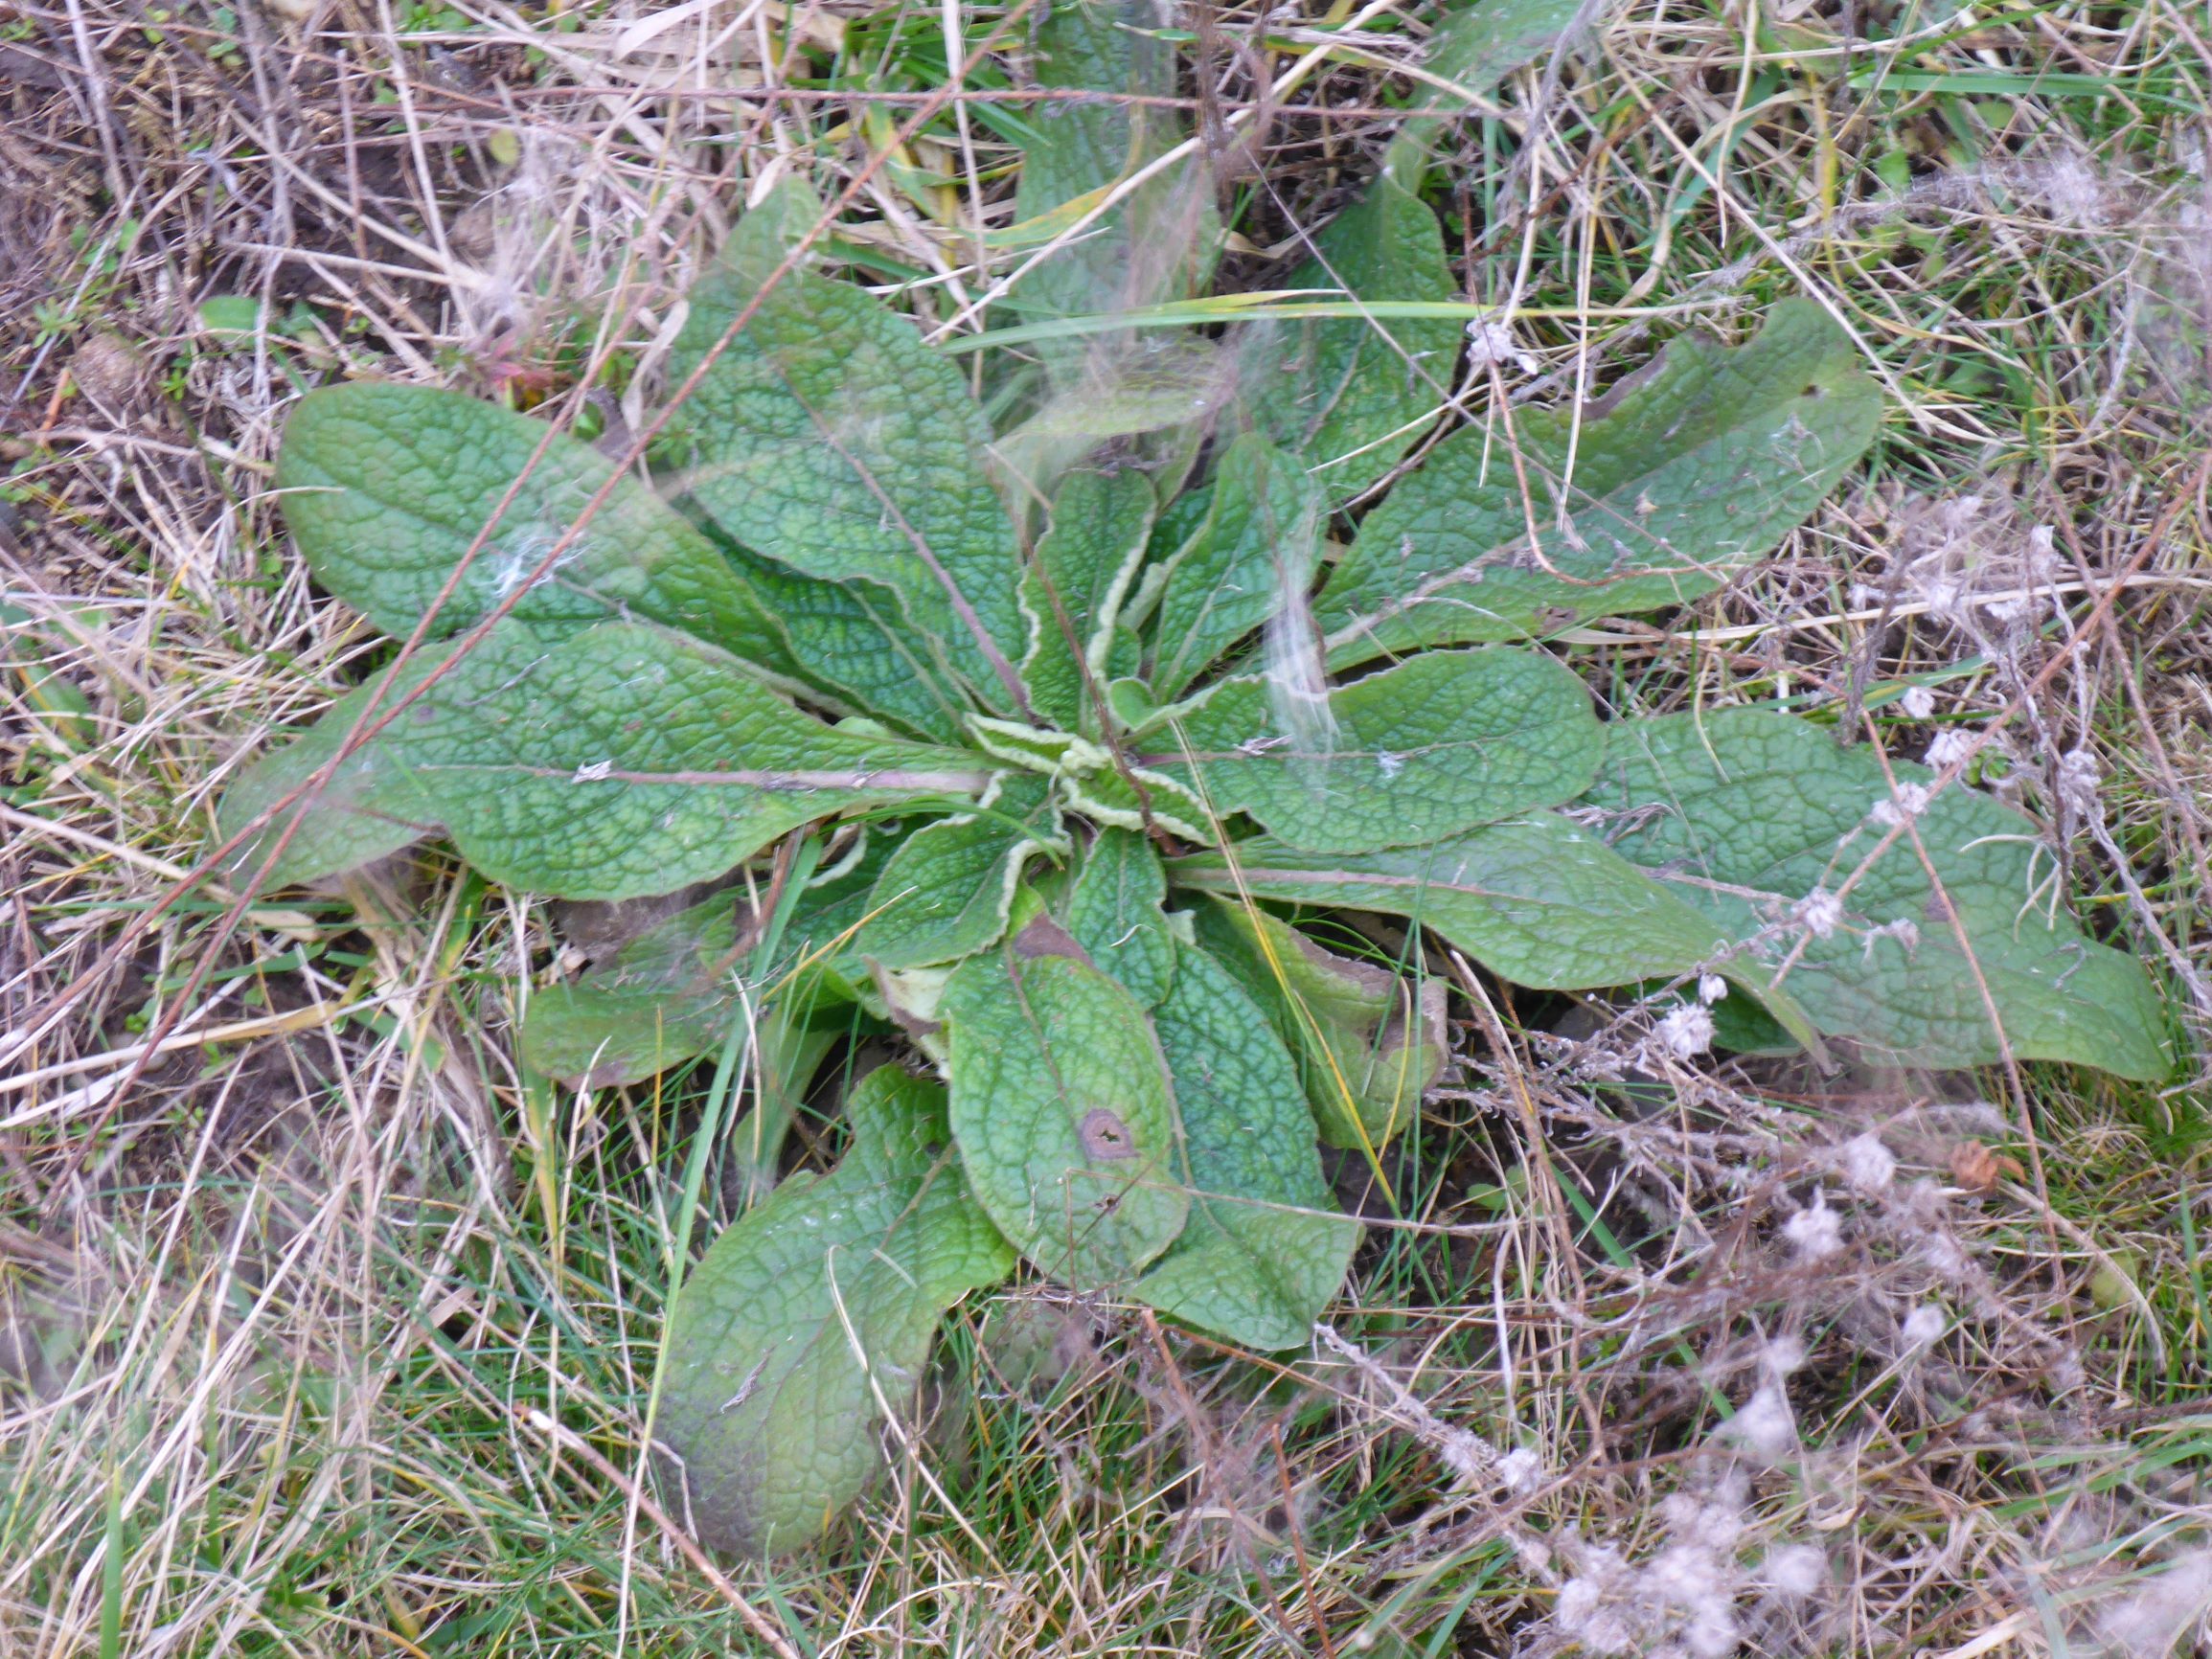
point(1062, 1109)
point(1423, 750)
point(828, 437)
point(1474, 49)
point(854, 645)
point(387, 486)
point(1538, 898)
point(945, 891)
point(1349, 396)
point(812, 1317)
point(1265, 1249)
point(1746, 814)
point(1669, 487)
point(365, 809)
point(1369, 1041)
point(1155, 244)
point(1114, 913)
point(607, 764)
point(1083, 566)
point(1253, 553)
point(669, 992)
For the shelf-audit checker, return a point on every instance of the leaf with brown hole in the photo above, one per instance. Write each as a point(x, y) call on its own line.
point(1063, 1109)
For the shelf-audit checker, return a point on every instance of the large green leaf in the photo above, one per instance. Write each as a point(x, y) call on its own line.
point(1265, 1249)
point(1062, 1105)
point(1349, 396)
point(856, 648)
point(620, 760)
point(385, 488)
point(1425, 749)
point(810, 1317)
point(1083, 566)
point(1257, 544)
point(1369, 1041)
point(830, 438)
point(1113, 910)
point(946, 893)
point(1747, 814)
point(1537, 899)
point(1677, 480)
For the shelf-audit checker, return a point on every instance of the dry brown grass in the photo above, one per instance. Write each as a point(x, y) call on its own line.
point(326, 1329)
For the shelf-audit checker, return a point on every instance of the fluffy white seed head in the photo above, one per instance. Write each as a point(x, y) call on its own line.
point(1687, 1032)
point(1796, 1571)
point(1867, 1163)
point(1922, 1326)
point(1816, 1232)
point(1821, 911)
point(1950, 746)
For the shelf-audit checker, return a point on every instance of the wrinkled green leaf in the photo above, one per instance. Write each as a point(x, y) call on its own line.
point(621, 761)
point(1747, 812)
point(1350, 397)
point(1083, 564)
point(830, 438)
point(856, 649)
point(1537, 899)
point(1256, 545)
point(1681, 478)
point(1264, 1250)
point(946, 893)
point(1061, 1107)
point(1370, 1042)
point(1114, 912)
point(385, 486)
point(813, 1316)
point(1419, 751)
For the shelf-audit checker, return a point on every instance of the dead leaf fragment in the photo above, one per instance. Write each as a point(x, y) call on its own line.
point(1979, 1169)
